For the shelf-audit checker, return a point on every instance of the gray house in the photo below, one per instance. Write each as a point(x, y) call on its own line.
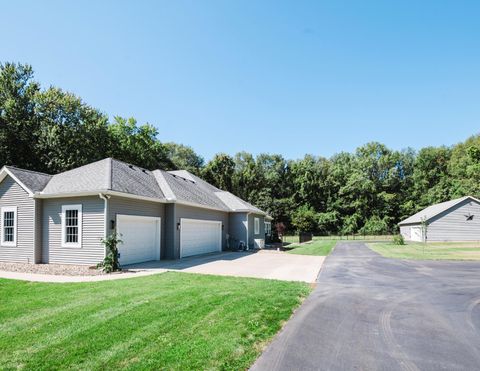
point(455, 220)
point(159, 215)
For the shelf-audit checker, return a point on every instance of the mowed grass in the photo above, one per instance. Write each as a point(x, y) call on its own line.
point(166, 321)
point(429, 251)
point(316, 247)
point(386, 238)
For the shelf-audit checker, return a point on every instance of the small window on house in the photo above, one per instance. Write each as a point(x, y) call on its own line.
point(72, 226)
point(9, 226)
point(268, 228)
point(257, 225)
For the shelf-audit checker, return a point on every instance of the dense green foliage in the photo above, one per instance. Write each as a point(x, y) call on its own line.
point(169, 321)
point(110, 263)
point(398, 240)
point(366, 192)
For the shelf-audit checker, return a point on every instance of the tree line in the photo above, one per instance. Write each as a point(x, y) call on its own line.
point(368, 191)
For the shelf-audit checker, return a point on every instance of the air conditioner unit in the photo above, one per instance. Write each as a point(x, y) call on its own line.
point(259, 243)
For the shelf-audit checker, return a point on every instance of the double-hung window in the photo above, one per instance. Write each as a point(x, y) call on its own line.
point(9, 226)
point(257, 226)
point(72, 226)
point(268, 228)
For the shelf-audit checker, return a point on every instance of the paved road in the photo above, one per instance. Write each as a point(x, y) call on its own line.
point(373, 313)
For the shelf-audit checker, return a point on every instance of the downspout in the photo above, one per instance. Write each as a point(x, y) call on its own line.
point(105, 198)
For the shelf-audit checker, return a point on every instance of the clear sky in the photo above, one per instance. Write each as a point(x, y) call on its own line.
point(290, 77)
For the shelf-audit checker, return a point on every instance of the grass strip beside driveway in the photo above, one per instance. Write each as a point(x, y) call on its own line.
point(168, 321)
point(429, 251)
point(316, 247)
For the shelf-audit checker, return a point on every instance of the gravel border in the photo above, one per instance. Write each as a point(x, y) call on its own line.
point(54, 269)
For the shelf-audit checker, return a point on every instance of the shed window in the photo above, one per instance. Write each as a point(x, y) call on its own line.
point(72, 225)
point(9, 226)
point(257, 226)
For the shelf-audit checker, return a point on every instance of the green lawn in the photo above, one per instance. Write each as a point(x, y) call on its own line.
point(316, 247)
point(430, 251)
point(295, 239)
point(169, 321)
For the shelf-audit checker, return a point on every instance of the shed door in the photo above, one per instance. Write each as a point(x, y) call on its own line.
point(140, 237)
point(416, 234)
point(200, 237)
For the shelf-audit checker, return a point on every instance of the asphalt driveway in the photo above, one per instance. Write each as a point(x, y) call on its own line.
point(261, 264)
point(373, 313)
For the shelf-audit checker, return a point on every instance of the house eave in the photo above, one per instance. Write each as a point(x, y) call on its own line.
point(95, 193)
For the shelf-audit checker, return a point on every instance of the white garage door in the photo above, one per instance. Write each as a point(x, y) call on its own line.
point(141, 238)
point(199, 237)
point(416, 234)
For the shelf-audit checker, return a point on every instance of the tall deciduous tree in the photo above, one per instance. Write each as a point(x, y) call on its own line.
point(184, 158)
point(138, 145)
point(220, 171)
point(18, 124)
point(71, 132)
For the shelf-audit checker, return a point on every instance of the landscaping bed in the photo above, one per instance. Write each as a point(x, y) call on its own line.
point(165, 321)
point(54, 269)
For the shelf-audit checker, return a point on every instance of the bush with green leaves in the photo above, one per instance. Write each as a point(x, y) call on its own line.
point(305, 219)
point(110, 263)
point(398, 239)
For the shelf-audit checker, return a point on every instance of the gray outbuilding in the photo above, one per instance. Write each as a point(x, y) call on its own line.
point(455, 220)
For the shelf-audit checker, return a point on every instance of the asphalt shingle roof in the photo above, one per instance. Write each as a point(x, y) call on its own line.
point(113, 175)
point(107, 174)
point(196, 191)
point(33, 180)
point(235, 203)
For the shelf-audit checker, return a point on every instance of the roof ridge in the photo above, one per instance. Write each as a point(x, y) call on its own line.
point(163, 184)
point(109, 184)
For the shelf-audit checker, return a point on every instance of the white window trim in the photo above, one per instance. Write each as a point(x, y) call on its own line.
point(15, 223)
point(80, 219)
point(256, 226)
point(268, 228)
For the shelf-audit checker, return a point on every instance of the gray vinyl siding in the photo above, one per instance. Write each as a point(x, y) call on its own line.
point(189, 212)
point(237, 228)
point(38, 231)
point(251, 229)
point(130, 206)
point(11, 194)
point(91, 252)
point(170, 233)
point(405, 232)
point(452, 224)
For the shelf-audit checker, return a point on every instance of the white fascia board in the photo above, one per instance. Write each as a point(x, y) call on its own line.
point(95, 193)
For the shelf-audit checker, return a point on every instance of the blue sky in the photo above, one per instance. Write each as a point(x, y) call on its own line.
point(290, 77)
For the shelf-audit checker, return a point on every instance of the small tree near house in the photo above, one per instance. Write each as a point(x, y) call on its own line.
point(305, 219)
point(110, 263)
point(280, 230)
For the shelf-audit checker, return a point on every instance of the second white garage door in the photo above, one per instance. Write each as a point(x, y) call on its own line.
point(140, 237)
point(200, 237)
